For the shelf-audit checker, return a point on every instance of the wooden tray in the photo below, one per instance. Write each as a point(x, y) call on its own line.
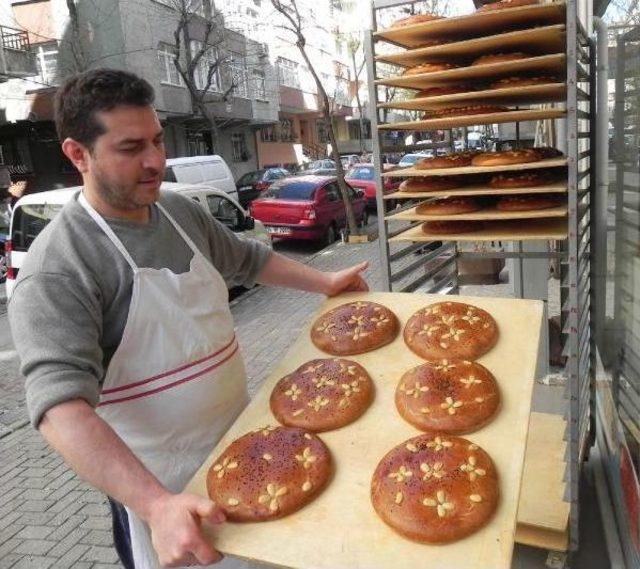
point(553, 64)
point(472, 120)
point(560, 187)
point(413, 172)
point(528, 95)
point(475, 25)
point(539, 41)
point(531, 230)
point(340, 529)
point(486, 214)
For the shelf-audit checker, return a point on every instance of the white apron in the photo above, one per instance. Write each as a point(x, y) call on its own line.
point(177, 381)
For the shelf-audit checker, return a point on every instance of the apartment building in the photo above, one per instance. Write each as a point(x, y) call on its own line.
point(137, 35)
point(301, 132)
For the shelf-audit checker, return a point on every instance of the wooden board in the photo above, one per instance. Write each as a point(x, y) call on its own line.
point(413, 172)
point(541, 499)
point(560, 187)
point(553, 64)
point(528, 95)
point(471, 120)
point(486, 214)
point(495, 231)
point(340, 529)
point(476, 24)
point(541, 538)
point(539, 41)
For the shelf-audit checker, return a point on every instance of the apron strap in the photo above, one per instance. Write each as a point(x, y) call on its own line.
point(179, 229)
point(108, 231)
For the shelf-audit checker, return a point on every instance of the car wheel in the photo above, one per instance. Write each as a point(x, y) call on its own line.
point(329, 235)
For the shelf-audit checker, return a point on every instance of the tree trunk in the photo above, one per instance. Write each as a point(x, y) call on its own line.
point(358, 101)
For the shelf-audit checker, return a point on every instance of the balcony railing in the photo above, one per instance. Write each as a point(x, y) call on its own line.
point(14, 39)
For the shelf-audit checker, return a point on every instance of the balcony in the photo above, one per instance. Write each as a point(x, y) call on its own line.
point(16, 59)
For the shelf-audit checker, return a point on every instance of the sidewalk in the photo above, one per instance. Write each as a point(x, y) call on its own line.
point(48, 517)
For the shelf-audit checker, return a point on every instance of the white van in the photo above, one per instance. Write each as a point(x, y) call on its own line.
point(34, 211)
point(210, 170)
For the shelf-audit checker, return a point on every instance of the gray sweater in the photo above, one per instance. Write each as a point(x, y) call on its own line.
point(71, 300)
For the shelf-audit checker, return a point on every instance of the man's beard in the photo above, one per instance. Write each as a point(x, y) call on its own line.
point(118, 196)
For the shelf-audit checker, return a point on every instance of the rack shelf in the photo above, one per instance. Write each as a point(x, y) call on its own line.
point(486, 214)
point(414, 172)
point(560, 187)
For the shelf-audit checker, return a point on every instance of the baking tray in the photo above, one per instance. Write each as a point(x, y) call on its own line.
point(553, 64)
point(471, 120)
point(560, 187)
point(527, 95)
point(530, 230)
point(538, 41)
point(476, 24)
point(413, 172)
point(486, 214)
point(340, 528)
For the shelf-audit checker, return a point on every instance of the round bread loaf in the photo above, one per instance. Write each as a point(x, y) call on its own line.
point(528, 203)
point(508, 82)
point(451, 330)
point(449, 396)
point(435, 488)
point(505, 4)
point(322, 395)
point(450, 227)
point(529, 179)
point(269, 473)
point(449, 161)
point(429, 68)
point(465, 111)
point(491, 58)
point(354, 328)
point(441, 90)
point(415, 19)
point(449, 206)
point(506, 157)
point(430, 184)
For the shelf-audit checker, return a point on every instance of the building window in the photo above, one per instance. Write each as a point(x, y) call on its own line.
point(267, 134)
point(206, 63)
point(239, 76)
point(259, 85)
point(239, 147)
point(47, 63)
point(287, 133)
point(288, 73)
point(323, 133)
point(168, 73)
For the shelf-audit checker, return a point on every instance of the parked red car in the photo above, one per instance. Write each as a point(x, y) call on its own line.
point(306, 207)
point(363, 176)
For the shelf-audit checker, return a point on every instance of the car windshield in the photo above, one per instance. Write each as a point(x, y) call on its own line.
point(28, 221)
point(411, 159)
point(361, 173)
point(251, 178)
point(296, 191)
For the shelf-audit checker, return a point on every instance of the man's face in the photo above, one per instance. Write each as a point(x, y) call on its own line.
point(127, 162)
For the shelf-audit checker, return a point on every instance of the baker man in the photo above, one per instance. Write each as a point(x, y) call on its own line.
point(122, 323)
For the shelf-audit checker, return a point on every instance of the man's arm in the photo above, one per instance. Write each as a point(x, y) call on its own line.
point(98, 455)
point(282, 271)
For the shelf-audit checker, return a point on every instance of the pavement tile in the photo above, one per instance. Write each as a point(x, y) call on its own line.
point(62, 531)
point(34, 546)
point(73, 498)
point(70, 560)
point(97, 522)
point(98, 537)
point(101, 554)
point(94, 510)
point(67, 543)
point(37, 505)
point(9, 519)
point(8, 546)
point(35, 532)
point(33, 562)
point(9, 560)
point(11, 531)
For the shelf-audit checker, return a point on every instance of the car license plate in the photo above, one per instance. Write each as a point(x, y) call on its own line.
point(278, 230)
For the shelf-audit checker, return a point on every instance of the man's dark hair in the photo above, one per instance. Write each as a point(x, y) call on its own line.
point(85, 94)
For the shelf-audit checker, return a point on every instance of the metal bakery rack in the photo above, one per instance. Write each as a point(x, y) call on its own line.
point(415, 261)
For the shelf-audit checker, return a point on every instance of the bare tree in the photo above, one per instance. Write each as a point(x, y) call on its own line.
point(293, 23)
point(624, 12)
point(201, 61)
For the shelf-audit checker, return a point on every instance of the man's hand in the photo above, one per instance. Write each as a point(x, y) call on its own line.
point(175, 523)
point(347, 280)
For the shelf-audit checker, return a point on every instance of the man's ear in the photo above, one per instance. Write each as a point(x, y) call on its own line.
point(77, 153)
